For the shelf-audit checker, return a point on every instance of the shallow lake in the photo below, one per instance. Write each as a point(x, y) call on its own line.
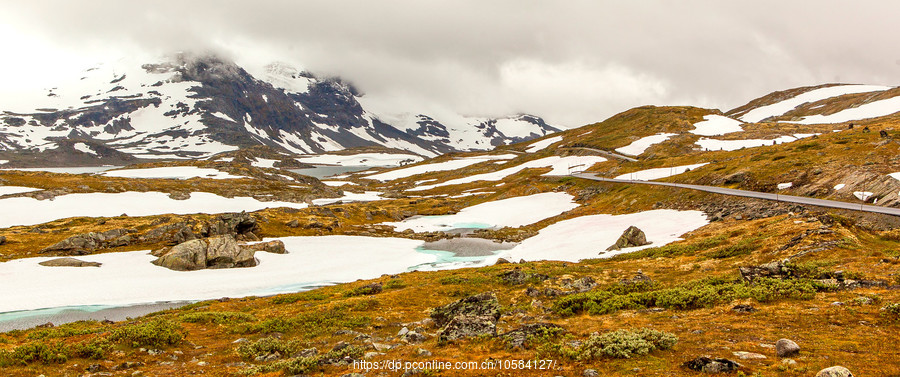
point(322, 171)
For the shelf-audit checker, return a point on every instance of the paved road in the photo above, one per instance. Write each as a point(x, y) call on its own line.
point(754, 194)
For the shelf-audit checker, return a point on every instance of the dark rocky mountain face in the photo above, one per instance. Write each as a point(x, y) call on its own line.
point(195, 106)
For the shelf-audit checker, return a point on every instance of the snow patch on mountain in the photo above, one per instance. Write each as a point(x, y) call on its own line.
point(715, 125)
point(869, 110)
point(638, 146)
point(733, 145)
point(559, 166)
point(543, 144)
point(658, 173)
point(783, 107)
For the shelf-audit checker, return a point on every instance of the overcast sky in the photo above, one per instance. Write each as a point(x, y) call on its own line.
point(571, 62)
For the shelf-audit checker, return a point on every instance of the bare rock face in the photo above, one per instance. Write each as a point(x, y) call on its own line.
point(472, 316)
point(630, 238)
point(68, 262)
point(213, 252)
point(241, 225)
point(85, 243)
point(274, 247)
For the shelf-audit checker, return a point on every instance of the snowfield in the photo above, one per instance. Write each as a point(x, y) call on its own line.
point(512, 212)
point(783, 107)
point(733, 145)
point(127, 278)
point(362, 159)
point(657, 173)
point(367, 196)
point(437, 166)
point(715, 125)
point(172, 172)
point(30, 211)
point(542, 144)
point(640, 145)
point(559, 166)
point(9, 190)
point(865, 111)
point(588, 236)
point(895, 175)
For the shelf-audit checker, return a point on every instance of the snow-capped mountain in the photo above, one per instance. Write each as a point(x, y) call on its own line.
point(193, 106)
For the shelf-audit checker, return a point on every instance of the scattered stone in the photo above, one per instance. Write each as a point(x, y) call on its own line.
point(630, 238)
point(423, 352)
point(707, 364)
point(743, 308)
point(240, 340)
point(789, 362)
point(180, 195)
point(2, 240)
point(749, 355)
point(240, 225)
point(590, 373)
point(517, 276)
point(68, 262)
point(293, 224)
point(170, 234)
point(786, 348)
point(638, 279)
point(499, 260)
point(835, 371)
point(274, 247)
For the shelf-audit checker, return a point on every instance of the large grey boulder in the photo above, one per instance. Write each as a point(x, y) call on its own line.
point(213, 252)
point(835, 371)
point(68, 262)
point(786, 348)
point(631, 237)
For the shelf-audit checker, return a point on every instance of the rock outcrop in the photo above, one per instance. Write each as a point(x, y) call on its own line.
point(786, 348)
point(68, 262)
point(631, 237)
point(213, 252)
point(471, 316)
point(85, 243)
point(707, 364)
point(835, 371)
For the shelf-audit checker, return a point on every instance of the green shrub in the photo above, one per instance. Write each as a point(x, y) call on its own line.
point(625, 344)
point(95, 349)
point(674, 250)
point(395, 284)
point(447, 280)
point(891, 311)
point(158, 333)
point(265, 346)
point(305, 365)
point(46, 353)
point(366, 290)
point(65, 330)
point(309, 324)
point(302, 296)
point(220, 318)
point(743, 247)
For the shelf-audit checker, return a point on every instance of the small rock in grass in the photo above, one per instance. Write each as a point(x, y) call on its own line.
point(786, 348)
point(835, 371)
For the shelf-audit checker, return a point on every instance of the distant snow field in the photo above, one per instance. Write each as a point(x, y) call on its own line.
point(895, 175)
point(782, 186)
point(733, 145)
point(263, 163)
point(558, 165)
point(367, 196)
point(657, 173)
point(172, 172)
point(30, 211)
point(432, 167)
point(640, 145)
point(839, 186)
point(362, 159)
point(588, 236)
point(715, 125)
point(783, 107)
point(84, 148)
point(9, 190)
point(865, 111)
point(542, 144)
point(512, 212)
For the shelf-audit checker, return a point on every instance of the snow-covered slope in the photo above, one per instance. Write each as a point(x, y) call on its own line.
point(193, 106)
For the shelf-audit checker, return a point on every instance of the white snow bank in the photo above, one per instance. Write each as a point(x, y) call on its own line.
point(30, 211)
point(129, 277)
point(657, 173)
point(559, 165)
point(84, 148)
point(782, 186)
point(264, 163)
point(542, 144)
point(9, 190)
point(428, 168)
point(862, 195)
point(589, 236)
point(4, 162)
point(640, 145)
point(869, 110)
point(337, 183)
point(716, 125)
point(512, 212)
point(782, 107)
point(895, 175)
point(367, 196)
point(839, 186)
point(362, 159)
point(733, 145)
point(173, 172)
point(489, 157)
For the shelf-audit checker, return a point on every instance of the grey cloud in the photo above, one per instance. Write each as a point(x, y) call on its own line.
point(573, 62)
